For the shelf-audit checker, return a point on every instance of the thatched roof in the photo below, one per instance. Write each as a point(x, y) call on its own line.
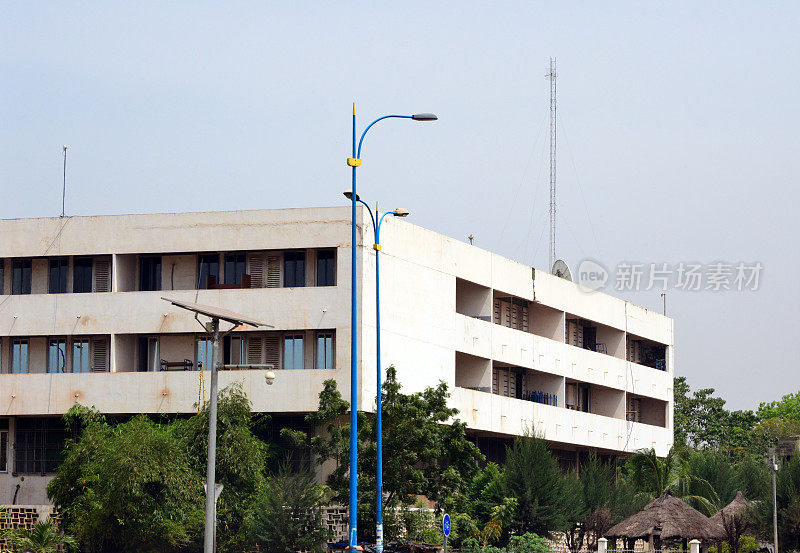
point(737, 507)
point(666, 518)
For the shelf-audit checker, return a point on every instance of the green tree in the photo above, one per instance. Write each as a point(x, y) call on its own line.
point(128, 488)
point(788, 496)
point(425, 450)
point(652, 476)
point(788, 408)
point(241, 461)
point(44, 537)
point(288, 514)
point(532, 477)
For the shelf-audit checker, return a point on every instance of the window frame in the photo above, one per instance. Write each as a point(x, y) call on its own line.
point(329, 351)
point(79, 285)
point(293, 337)
point(20, 341)
point(329, 267)
point(152, 274)
point(294, 257)
point(239, 261)
point(88, 355)
point(21, 276)
point(205, 259)
point(61, 265)
point(50, 343)
point(42, 450)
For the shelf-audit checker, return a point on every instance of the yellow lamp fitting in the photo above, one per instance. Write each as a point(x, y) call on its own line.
point(353, 161)
point(376, 247)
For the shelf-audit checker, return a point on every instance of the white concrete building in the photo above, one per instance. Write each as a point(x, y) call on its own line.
point(82, 320)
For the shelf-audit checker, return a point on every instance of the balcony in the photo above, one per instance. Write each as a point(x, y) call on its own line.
point(510, 416)
point(294, 391)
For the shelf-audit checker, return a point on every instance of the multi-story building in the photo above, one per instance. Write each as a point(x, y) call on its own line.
point(82, 319)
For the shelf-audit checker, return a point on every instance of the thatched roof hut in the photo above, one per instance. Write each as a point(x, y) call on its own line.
point(732, 519)
point(737, 507)
point(665, 518)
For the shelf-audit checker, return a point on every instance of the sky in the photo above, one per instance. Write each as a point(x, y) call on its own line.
point(677, 134)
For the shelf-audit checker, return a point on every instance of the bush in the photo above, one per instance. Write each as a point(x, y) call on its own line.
point(528, 543)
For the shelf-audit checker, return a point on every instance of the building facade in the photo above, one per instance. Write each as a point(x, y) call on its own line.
point(82, 319)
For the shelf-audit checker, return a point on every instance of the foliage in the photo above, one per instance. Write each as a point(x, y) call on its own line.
point(288, 514)
point(128, 488)
point(532, 476)
point(788, 408)
point(425, 451)
point(241, 460)
point(652, 476)
point(44, 537)
point(528, 543)
point(747, 544)
point(137, 485)
point(788, 498)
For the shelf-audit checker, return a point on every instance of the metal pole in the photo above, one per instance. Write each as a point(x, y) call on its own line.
point(64, 184)
point(211, 511)
point(379, 407)
point(353, 510)
point(774, 502)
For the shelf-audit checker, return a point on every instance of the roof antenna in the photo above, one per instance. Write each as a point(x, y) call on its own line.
point(471, 238)
point(64, 185)
point(551, 75)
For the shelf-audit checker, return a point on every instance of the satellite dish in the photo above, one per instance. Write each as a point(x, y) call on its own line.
point(561, 270)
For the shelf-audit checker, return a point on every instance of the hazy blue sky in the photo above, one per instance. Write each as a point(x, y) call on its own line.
point(678, 133)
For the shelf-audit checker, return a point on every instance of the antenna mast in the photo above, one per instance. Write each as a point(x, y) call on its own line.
point(64, 183)
point(551, 74)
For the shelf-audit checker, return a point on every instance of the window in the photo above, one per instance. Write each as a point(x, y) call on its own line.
point(3, 445)
point(205, 353)
point(82, 275)
point(58, 275)
point(150, 273)
point(57, 356)
point(19, 356)
point(234, 352)
point(207, 265)
point(149, 361)
point(21, 276)
point(39, 445)
point(80, 356)
point(293, 351)
point(235, 267)
point(326, 268)
point(325, 350)
point(294, 269)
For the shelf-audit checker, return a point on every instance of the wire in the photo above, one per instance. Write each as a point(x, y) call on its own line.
point(578, 181)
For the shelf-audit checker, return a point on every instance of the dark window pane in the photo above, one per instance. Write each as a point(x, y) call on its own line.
point(21, 276)
point(3, 450)
point(207, 265)
point(150, 273)
point(294, 269)
point(234, 267)
point(82, 275)
point(58, 275)
point(39, 445)
point(326, 268)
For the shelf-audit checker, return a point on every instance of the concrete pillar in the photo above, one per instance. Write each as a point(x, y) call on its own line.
point(602, 545)
point(694, 546)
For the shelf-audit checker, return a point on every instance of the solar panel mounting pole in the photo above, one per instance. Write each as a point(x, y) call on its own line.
point(211, 464)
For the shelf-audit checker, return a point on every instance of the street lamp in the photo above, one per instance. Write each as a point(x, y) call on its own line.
point(354, 162)
point(377, 220)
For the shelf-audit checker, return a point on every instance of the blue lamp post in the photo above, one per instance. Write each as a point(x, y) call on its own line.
point(354, 162)
point(376, 227)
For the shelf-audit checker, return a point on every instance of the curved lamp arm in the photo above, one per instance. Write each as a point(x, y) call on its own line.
point(360, 140)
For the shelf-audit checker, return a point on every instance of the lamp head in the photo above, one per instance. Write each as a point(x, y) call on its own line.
point(349, 195)
point(424, 117)
point(400, 212)
point(269, 377)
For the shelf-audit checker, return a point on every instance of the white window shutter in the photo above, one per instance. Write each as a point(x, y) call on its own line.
point(272, 350)
point(255, 350)
point(102, 275)
point(497, 312)
point(256, 270)
point(274, 271)
point(99, 355)
point(495, 381)
point(524, 316)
